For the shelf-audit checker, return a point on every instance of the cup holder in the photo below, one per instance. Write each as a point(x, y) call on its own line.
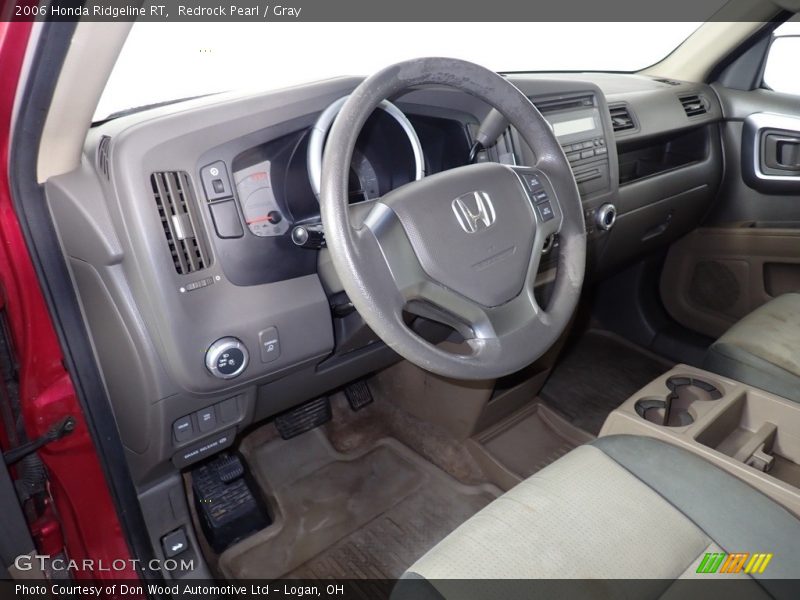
point(674, 409)
point(697, 389)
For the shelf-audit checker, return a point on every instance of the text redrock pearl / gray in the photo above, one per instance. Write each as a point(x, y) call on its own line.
point(240, 10)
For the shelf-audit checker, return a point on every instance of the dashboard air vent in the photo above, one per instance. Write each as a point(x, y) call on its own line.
point(102, 155)
point(174, 194)
point(621, 118)
point(694, 105)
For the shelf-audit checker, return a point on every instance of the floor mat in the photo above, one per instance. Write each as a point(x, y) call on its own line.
point(531, 439)
point(365, 516)
point(597, 374)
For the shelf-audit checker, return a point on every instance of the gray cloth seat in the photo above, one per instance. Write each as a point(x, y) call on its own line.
point(622, 507)
point(763, 349)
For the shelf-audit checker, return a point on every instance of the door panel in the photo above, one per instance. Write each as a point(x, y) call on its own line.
point(748, 250)
point(716, 275)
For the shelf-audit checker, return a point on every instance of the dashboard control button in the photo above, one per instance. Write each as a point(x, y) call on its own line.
point(545, 211)
point(227, 358)
point(270, 344)
point(206, 419)
point(229, 410)
point(274, 217)
point(215, 180)
point(587, 153)
point(226, 219)
point(174, 543)
point(183, 429)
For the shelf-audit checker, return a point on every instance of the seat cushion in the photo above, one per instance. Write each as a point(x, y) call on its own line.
point(622, 507)
point(763, 349)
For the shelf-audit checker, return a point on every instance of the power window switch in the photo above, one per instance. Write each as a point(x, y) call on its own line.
point(183, 429)
point(206, 419)
point(174, 543)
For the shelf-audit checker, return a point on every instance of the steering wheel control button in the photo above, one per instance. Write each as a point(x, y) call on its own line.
point(226, 219)
point(174, 543)
point(270, 344)
point(227, 358)
point(183, 429)
point(540, 196)
point(545, 211)
point(532, 181)
point(215, 180)
point(206, 419)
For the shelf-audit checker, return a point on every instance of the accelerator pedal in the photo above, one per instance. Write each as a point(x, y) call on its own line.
point(358, 395)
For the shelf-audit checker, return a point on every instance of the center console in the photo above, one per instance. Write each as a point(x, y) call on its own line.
point(750, 433)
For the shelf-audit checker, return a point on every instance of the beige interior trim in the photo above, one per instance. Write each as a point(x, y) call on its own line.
point(87, 66)
point(694, 59)
point(724, 430)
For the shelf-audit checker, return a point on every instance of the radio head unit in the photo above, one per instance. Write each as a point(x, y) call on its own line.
point(578, 125)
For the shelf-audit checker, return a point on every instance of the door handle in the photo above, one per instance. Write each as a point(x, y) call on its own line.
point(782, 152)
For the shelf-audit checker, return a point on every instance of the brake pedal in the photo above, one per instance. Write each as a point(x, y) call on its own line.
point(358, 395)
point(303, 418)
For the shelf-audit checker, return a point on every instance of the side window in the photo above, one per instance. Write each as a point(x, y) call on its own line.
point(780, 71)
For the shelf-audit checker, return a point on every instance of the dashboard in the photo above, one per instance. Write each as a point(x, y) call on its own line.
point(209, 312)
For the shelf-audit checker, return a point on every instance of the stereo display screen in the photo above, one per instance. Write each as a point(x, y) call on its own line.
point(573, 126)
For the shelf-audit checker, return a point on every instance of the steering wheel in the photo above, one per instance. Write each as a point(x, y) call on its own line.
point(462, 246)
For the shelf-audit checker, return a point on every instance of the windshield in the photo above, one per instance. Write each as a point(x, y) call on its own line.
point(170, 61)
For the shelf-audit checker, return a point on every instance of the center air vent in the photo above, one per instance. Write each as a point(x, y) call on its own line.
point(174, 195)
point(621, 118)
point(694, 105)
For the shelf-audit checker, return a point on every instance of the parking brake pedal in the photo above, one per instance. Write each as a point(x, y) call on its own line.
point(303, 418)
point(227, 507)
point(358, 395)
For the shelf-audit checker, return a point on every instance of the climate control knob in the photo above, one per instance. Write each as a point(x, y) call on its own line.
point(227, 358)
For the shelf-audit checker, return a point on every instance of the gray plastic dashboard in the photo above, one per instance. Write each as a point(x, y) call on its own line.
point(152, 326)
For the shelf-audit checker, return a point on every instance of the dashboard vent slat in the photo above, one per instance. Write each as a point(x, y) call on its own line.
point(174, 198)
point(694, 105)
point(102, 155)
point(621, 118)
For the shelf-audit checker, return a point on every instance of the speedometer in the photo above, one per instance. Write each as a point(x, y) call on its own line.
point(364, 183)
point(261, 212)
